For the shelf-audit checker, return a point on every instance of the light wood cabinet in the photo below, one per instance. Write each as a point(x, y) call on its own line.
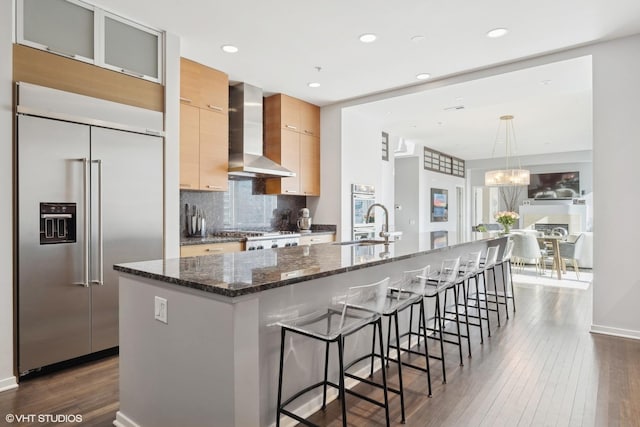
point(204, 127)
point(292, 138)
point(214, 151)
point(283, 146)
point(211, 249)
point(203, 87)
point(311, 239)
point(309, 175)
point(309, 119)
point(189, 147)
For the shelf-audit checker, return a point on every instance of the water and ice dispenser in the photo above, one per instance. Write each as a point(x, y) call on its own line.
point(57, 223)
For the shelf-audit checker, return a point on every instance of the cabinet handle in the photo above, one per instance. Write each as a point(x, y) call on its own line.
point(315, 240)
point(185, 100)
point(291, 127)
point(214, 107)
point(132, 73)
point(213, 250)
point(308, 132)
point(57, 52)
point(214, 187)
point(185, 185)
point(290, 191)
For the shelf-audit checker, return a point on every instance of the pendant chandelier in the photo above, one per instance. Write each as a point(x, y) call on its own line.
point(507, 176)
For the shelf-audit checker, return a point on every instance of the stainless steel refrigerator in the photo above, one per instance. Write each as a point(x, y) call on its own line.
point(88, 197)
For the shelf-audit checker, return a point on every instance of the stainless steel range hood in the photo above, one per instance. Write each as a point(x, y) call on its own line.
point(245, 136)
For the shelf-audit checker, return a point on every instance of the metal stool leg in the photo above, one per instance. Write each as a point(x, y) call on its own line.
point(282, 336)
point(426, 347)
point(394, 318)
point(384, 375)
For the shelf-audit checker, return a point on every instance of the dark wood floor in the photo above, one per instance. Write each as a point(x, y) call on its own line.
point(540, 368)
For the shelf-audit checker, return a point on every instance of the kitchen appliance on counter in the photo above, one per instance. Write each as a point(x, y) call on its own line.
point(362, 197)
point(304, 221)
point(90, 194)
point(256, 239)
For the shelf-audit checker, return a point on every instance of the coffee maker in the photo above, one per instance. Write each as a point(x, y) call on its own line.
point(304, 221)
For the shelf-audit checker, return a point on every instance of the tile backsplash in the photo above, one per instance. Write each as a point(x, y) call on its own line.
point(243, 206)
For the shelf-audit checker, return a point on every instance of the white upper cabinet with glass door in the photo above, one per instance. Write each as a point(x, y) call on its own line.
point(131, 48)
point(81, 31)
point(64, 27)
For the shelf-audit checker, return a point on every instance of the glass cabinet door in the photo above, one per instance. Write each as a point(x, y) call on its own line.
point(59, 26)
point(131, 48)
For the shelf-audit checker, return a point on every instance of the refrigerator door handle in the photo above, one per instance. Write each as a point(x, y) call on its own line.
point(85, 248)
point(100, 280)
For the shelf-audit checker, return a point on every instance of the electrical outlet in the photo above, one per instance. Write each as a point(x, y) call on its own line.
point(160, 311)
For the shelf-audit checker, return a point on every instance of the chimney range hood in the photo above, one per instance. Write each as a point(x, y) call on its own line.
point(245, 136)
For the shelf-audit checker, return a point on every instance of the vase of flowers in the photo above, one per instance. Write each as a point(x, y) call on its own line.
point(507, 219)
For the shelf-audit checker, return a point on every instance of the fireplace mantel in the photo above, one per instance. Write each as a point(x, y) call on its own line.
point(573, 215)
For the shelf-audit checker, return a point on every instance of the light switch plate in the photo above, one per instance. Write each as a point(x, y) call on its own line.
point(160, 310)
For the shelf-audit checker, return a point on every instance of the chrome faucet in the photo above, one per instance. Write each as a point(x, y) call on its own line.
point(385, 228)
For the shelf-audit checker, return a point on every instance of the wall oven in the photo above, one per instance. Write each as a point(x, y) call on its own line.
point(362, 197)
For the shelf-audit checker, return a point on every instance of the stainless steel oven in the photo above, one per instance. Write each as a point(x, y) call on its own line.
point(362, 197)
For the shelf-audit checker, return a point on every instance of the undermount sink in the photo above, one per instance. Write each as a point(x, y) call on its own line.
point(363, 242)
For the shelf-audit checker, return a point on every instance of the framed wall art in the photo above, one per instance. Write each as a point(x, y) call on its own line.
point(439, 205)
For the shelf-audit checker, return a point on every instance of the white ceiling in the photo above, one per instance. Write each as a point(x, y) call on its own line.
point(282, 41)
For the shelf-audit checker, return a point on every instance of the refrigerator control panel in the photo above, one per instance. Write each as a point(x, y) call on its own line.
point(57, 223)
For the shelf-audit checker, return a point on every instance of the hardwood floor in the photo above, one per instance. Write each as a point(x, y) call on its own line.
point(89, 390)
point(540, 368)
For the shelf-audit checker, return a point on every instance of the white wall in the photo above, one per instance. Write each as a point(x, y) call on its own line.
point(429, 180)
point(616, 101)
point(327, 208)
point(7, 378)
point(361, 163)
point(407, 192)
point(172, 147)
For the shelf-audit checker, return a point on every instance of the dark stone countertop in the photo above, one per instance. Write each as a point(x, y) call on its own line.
point(186, 241)
point(242, 273)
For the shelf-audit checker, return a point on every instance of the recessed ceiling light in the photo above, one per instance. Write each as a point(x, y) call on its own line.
point(423, 76)
point(368, 38)
point(229, 48)
point(497, 32)
point(314, 84)
point(417, 39)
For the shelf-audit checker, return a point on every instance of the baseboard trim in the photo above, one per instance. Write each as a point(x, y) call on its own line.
point(616, 332)
point(8, 384)
point(123, 421)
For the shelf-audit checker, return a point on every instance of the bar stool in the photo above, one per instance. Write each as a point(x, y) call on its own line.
point(505, 267)
point(447, 279)
point(403, 295)
point(435, 284)
point(469, 268)
point(489, 264)
point(361, 307)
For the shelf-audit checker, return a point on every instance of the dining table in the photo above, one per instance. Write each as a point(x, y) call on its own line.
point(554, 242)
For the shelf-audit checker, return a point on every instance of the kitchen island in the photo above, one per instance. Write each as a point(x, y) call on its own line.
point(215, 360)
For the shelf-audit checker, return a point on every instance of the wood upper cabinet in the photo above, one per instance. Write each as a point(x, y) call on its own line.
point(292, 138)
point(204, 87)
point(309, 175)
point(309, 119)
point(214, 151)
point(189, 147)
point(204, 127)
point(283, 147)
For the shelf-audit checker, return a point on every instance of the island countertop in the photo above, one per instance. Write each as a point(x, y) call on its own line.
point(241, 273)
